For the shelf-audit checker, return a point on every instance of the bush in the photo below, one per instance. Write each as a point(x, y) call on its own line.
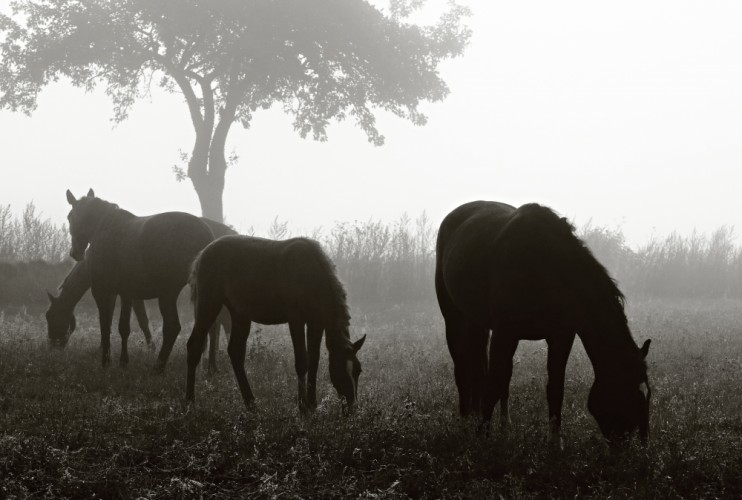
point(394, 263)
point(31, 238)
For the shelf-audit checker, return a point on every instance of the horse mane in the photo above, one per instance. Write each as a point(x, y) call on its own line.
point(337, 314)
point(575, 255)
point(100, 203)
point(66, 280)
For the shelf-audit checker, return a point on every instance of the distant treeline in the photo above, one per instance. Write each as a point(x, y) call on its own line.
point(393, 263)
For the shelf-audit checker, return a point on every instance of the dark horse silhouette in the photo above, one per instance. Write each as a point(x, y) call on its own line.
point(60, 317)
point(61, 321)
point(523, 274)
point(273, 282)
point(135, 258)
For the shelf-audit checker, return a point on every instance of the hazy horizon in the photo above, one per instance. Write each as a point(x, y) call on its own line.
point(627, 116)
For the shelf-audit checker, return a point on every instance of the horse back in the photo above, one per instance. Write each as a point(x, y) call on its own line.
point(267, 281)
point(464, 255)
point(146, 257)
point(168, 243)
point(504, 267)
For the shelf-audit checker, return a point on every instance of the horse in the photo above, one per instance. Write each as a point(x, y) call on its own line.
point(274, 282)
point(135, 258)
point(60, 317)
point(61, 320)
point(523, 274)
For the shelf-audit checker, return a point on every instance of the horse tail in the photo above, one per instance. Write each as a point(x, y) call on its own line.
point(193, 278)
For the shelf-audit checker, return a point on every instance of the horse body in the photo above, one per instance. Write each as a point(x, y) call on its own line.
point(60, 317)
point(523, 275)
point(267, 291)
point(274, 282)
point(145, 257)
point(61, 321)
point(136, 258)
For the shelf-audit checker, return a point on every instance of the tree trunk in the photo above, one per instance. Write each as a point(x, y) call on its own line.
point(206, 169)
point(209, 191)
point(208, 165)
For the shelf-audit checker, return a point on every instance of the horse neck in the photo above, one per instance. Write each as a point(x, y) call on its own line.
point(337, 337)
point(74, 287)
point(110, 214)
point(609, 345)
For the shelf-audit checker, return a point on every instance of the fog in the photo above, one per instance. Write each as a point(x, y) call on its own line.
point(627, 114)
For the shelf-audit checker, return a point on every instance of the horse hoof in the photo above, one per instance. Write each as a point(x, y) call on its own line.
point(251, 407)
point(158, 368)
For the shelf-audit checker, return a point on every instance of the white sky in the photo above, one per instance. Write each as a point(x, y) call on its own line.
point(627, 113)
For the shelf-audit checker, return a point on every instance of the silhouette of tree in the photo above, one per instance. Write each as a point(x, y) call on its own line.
point(321, 60)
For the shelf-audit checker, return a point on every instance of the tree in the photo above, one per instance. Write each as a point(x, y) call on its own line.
point(322, 60)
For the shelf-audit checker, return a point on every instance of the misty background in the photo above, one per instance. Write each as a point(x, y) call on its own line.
point(625, 114)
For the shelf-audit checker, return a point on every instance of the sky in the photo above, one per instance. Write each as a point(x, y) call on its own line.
point(626, 114)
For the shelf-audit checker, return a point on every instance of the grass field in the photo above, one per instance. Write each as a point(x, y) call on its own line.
point(69, 428)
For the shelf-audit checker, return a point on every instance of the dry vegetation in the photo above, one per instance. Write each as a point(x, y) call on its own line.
point(69, 428)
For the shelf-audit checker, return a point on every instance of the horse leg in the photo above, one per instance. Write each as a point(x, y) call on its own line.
point(170, 327)
point(206, 312)
point(314, 340)
point(106, 303)
point(141, 313)
point(556, 365)
point(458, 347)
point(124, 330)
point(477, 361)
point(213, 346)
point(300, 361)
point(505, 390)
point(236, 350)
point(502, 350)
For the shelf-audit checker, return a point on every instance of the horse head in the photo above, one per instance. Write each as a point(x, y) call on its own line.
point(81, 220)
point(622, 406)
point(345, 370)
point(60, 323)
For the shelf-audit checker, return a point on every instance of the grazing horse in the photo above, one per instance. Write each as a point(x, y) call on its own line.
point(61, 320)
point(523, 275)
point(135, 258)
point(274, 282)
point(60, 317)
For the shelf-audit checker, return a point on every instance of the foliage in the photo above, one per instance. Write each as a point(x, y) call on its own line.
point(31, 237)
point(70, 429)
point(321, 61)
point(384, 263)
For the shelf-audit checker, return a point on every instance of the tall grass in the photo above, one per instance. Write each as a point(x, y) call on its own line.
point(390, 263)
point(698, 265)
point(31, 237)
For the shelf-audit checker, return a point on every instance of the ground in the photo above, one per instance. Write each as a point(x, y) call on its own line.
point(70, 428)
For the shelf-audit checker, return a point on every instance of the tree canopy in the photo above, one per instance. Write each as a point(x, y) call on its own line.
point(321, 60)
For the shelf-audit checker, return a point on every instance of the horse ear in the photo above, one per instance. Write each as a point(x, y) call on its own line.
point(71, 198)
point(52, 298)
point(358, 344)
point(91, 194)
point(645, 348)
